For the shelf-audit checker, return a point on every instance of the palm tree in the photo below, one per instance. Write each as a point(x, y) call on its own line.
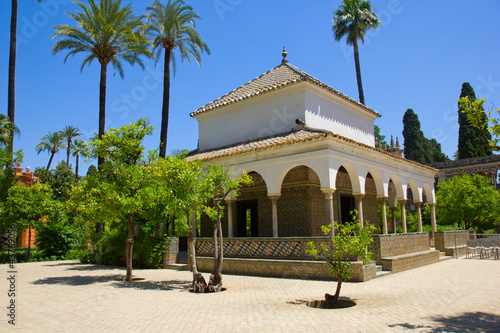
point(7, 130)
point(80, 149)
point(353, 19)
point(107, 33)
point(11, 95)
point(50, 143)
point(173, 27)
point(68, 133)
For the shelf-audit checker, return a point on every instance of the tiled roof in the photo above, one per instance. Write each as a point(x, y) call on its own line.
point(294, 137)
point(279, 77)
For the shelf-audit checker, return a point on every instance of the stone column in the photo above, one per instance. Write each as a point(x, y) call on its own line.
point(419, 215)
point(274, 201)
point(393, 218)
point(384, 215)
point(230, 217)
point(432, 207)
point(358, 197)
point(402, 202)
point(329, 208)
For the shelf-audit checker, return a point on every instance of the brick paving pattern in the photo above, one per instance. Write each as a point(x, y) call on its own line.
point(65, 296)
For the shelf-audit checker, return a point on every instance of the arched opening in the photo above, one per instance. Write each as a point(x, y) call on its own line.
point(301, 206)
point(344, 200)
point(370, 202)
point(250, 216)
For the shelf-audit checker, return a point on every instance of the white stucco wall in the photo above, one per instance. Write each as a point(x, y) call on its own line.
point(259, 117)
point(338, 116)
point(276, 112)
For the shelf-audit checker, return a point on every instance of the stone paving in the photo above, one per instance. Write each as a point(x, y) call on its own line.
point(459, 295)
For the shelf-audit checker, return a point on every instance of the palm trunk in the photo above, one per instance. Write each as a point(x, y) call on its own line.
point(102, 108)
point(166, 103)
point(76, 168)
point(68, 151)
point(12, 71)
point(50, 160)
point(130, 246)
point(358, 71)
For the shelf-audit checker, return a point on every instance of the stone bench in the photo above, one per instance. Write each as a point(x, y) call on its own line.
point(306, 269)
point(408, 261)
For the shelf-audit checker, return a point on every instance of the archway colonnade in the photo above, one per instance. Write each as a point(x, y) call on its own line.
point(390, 187)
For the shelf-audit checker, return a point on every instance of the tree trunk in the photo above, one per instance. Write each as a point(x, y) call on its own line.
point(68, 151)
point(331, 301)
point(76, 168)
point(130, 246)
point(50, 160)
point(102, 108)
point(11, 110)
point(166, 103)
point(215, 283)
point(199, 283)
point(358, 71)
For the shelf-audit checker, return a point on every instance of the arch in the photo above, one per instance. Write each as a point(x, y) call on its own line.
point(323, 174)
point(429, 193)
point(353, 176)
point(398, 187)
point(379, 183)
point(416, 192)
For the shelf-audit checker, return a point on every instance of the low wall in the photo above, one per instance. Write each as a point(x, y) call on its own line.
point(392, 245)
point(307, 269)
point(293, 248)
point(171, 251)
point(450, 239)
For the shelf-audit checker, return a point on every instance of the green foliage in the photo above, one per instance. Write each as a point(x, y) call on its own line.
point(51, 143)
point(488, 127)
point(92, 170)
point(380, 138)
point(468, 202)
point(350, 241)
point(472, 141)
point(416, 146)
point(61, 180)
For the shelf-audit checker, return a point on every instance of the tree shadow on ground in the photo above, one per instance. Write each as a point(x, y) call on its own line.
point(154, 285)
point(79, 280)
point(466, 322)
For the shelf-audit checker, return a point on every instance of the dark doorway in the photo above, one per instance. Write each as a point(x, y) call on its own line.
point(346, 207)
point(247, 218)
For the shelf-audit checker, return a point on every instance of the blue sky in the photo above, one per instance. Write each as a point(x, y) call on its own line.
point(418, 58)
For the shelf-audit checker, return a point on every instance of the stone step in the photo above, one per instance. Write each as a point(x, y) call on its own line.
point(382, 273)
point(379, 268)
point(178, 267)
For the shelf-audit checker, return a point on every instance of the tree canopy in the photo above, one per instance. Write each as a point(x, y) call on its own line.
point(469, 202)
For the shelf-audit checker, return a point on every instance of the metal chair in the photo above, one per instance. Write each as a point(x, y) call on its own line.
point(487, 248)
point(473, 247)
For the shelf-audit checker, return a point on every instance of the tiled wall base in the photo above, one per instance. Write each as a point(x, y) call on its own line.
point(306, 269)
point(453, 243)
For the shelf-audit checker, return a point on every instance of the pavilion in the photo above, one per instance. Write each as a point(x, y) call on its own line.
point(311, 153)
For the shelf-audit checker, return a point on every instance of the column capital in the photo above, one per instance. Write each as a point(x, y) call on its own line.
point(431, 204)
point(328, 192)
point(418, 203)
point(382, 198)
point(274, 196)
point(358, 195)
point(403, 201)
point(229, 200)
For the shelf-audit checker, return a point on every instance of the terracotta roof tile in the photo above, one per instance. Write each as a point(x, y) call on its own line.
point(279, 77)
point(296, 136)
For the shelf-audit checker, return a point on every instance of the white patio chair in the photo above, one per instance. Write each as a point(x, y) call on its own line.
point(473, 247)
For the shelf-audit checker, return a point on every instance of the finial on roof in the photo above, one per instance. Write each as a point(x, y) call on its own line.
point(284, 54)
point(397, 142)
point(392, 142)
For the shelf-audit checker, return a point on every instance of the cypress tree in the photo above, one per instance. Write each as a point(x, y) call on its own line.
point(416, 146)
point(470, 141)
point(413, 137)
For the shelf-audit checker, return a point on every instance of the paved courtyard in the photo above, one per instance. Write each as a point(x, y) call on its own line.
point(460, 295)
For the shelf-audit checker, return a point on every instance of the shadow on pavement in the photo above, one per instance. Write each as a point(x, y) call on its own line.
point(78, 280)
point(467, 322)
point(154, 285)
